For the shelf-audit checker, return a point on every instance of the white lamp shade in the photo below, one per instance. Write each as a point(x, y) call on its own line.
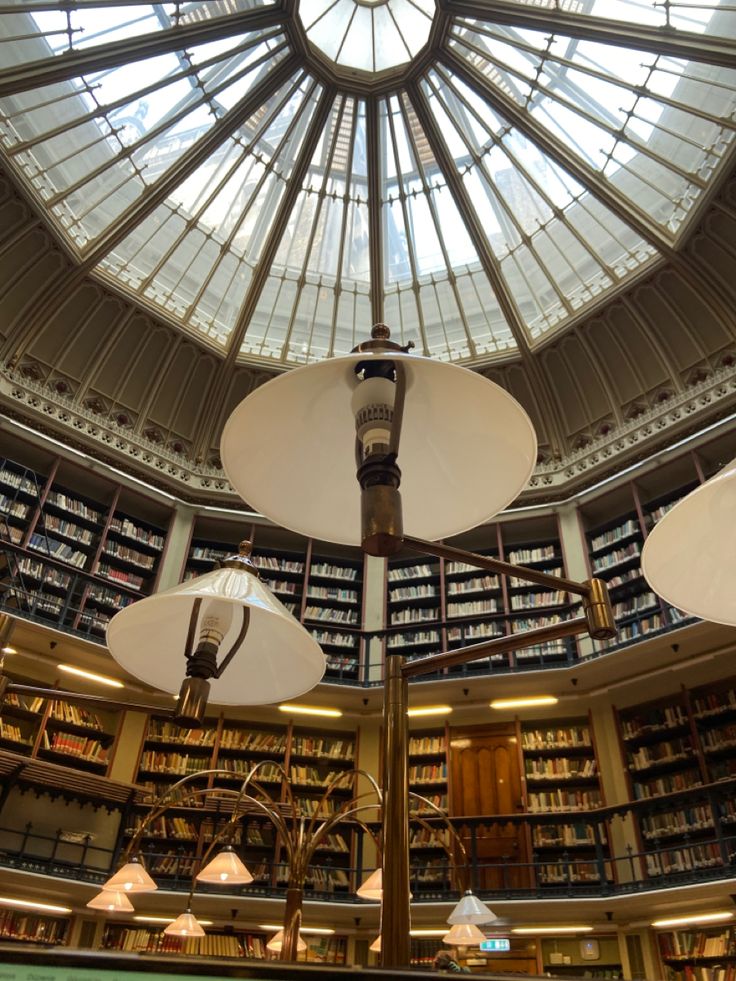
point(689, 558)
point(278, 658)
point(185, 925)
point(132, 877)
point(471, 910)
point(464, 935)
point(112, 901)
point(276, 943)
point(467, 448)
point(372, 888)
point(376, 945)
point(225, 869)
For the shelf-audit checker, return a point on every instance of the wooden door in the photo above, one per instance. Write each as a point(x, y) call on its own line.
point(486, 781)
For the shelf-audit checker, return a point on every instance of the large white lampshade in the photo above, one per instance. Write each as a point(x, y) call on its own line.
point(225, 869)
point(471, 910)
point(277, 658)
point(464, 935)
point(689, 558)
point(467, 448)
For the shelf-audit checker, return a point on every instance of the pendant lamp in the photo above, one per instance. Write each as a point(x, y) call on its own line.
point(277, 942)
point(471, 910)
point(225, 869)
point(376, 945)
point(185, 925)
point(132, 877)
point(464, 935)
point(689, 557)
point(372, 888)
point(112, 901)
point(227, 631)
point(466, 446)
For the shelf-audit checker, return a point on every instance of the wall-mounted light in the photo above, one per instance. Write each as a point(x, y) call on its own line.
point(330, 713)
point(429, 710)
point(675, 921)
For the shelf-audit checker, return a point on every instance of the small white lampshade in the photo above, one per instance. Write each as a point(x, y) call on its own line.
point(276, 943)
point(471, 910)
point(278, 659)
point(185, 925)
point(464, 935)
point(689, 557)
point(372, 888)
point(112, 901)
point(467, 449)
point(225, 869)
point(132, 877)
point(376, 945)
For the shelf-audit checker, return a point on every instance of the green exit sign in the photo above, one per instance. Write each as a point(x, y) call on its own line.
point(496, 944)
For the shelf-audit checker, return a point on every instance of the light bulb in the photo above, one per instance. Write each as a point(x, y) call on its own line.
point(373, 407)
point(215, 621)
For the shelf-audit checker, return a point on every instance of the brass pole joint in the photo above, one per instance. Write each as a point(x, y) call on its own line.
point(598, 610)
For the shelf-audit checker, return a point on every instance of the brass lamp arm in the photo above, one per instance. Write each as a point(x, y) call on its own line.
point(489, 564)
point(334, 783)
point(499, 645)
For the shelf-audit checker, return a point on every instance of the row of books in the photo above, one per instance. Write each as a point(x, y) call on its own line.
point(67, 529)
point(128, 554)
point(334, 638)
point(421, 591)
point(273, 563)
point(130, 579)
point(281, 586)
point(72, 505)
point(560, 800)
point(310, 776)
point(684, 859)
point(414, 615)
point(328, 570)
point(429, 838)
point(655, 754)
point(15, 509)
point(559, 768)
point(656, 720)
point(625, 530)
point(523, 556)
point(18, 481)
point(248, 739)
point(128, 528)
point(420, 745)
point(413, 639)
point(326, 613)
point(562, 737)
point(419, 571)
point(638, 628)
point(59, 550)
point(562, 872)
point(480, 584)
point(558, 835)
point(689, 943)
point(43, 573)
point(636, 604)
point(164, 731)
point(666, 784)
point(65, 712)
point(428, 773)
point(327, 747)
point(165, 827)
point(75, 745)
point(680, 821)
point(524, 601)
point(616, 557)
point(714, 704)
point(332, 593)
point(38, 929)
point(470, 608)
point(179, 763)
point(12, 733)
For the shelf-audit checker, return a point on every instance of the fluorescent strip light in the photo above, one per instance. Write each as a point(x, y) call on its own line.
point(101, 679)
point(530, 702)
point(438, 932)
point(527, 931)
point(8, 650)
point(29, 904)
point(429, 710)
point(319, 931)
point(167, 919)
point(310, 710)
point(694, 918)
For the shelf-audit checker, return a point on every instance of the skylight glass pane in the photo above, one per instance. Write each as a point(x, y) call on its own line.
point(194, 256)
point(368, 35)
point(92, 147)
point(428, 253)
point(653, 126)
point(556, 252)
point(697, 16)
point(325, 245)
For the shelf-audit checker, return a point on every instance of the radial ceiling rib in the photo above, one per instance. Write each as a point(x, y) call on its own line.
point(316, 297)
point(583, 173)
point(70, 65)
point(555, 19)
point(374, 209)
point(470, 216)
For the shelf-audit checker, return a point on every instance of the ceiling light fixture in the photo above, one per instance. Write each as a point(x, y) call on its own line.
point(185, 925)
point(532, 701)
point(675, 921)
point(32, 904)
point(225, 869)
point(471, 910)
point(464, 935)
point(277, 942)
point(7, 649)
point(428, 710)
point(112, 901)
point(330, 713)
point(99, 679)
point(166, 919)
point(317, 931)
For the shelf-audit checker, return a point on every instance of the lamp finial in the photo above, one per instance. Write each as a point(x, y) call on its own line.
point(380, 332)
point(245, 547)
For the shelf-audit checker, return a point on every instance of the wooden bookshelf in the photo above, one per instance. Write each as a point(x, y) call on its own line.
point(561, 774)
point(153, 940)
point(430, 847)
point(705, 954)
point(34, 928)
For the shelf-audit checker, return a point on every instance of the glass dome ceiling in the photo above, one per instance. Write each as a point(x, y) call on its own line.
point(274, 177)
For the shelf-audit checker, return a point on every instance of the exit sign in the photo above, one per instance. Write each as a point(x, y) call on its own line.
point(496, 944)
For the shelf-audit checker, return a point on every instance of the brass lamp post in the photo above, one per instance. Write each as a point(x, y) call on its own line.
point(466, 448)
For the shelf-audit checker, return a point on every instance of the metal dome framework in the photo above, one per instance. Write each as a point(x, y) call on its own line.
point(212, 161)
